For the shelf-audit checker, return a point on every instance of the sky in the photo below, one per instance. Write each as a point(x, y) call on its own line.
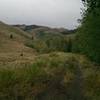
point(53, 13)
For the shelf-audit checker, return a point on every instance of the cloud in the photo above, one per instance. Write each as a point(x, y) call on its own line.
point(54, 13)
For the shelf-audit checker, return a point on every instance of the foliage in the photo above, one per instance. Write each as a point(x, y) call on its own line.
point(88, 37)
point(11, 36)
point(49, 42)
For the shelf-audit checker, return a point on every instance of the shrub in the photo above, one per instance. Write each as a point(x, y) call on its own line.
point(11, 36)
point(49, 42)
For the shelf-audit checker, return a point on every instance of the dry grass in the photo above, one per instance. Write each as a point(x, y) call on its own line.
point(13, 51)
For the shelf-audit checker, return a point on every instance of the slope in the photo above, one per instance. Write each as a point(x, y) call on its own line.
point(12, 46)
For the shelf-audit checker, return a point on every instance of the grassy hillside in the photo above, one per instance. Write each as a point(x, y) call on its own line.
point(47, 39)
point(14, 42)
point(39, 67)
point(12, 46)
point(13, 30)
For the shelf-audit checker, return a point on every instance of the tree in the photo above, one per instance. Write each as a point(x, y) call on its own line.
point(69, 45)
point(88, 37)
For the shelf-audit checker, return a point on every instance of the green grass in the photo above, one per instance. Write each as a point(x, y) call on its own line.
point(53, 76)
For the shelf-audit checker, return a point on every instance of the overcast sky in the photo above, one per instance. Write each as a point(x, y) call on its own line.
point(54, 13)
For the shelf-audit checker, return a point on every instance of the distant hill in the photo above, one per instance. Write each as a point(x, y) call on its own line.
point(46, 39)
point(37, 28)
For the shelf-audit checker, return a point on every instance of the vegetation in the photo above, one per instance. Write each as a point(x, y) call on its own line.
point(41, 65)
point(11, 36)
point(50, 42)
point(46, 79)
point(88, 37)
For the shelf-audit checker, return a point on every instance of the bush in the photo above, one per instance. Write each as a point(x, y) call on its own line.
point(49, 42)
point(11, 36)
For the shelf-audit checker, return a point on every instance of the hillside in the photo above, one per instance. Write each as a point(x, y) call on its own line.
point(43, 67)
point(12, 44)
point(46, 39)
point(21, 40)
point(36, 28)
